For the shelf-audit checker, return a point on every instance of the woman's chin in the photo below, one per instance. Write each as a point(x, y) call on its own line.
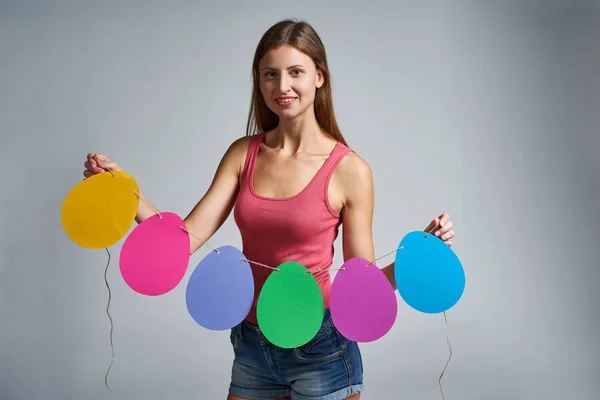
point(289, 114)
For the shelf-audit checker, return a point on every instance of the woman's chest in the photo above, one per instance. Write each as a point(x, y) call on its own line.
point(276, 178)
point(283, 178)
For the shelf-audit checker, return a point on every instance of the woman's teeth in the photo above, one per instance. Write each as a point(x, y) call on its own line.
point(285, 101)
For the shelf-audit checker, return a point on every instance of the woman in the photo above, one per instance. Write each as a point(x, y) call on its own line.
point(292, 180)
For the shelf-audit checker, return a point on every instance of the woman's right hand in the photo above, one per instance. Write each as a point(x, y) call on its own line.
point(97, 163)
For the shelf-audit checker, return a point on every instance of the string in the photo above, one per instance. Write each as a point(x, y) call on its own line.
point(372, 262)
point(148, 204)
point(183, 228)
point(450, 348)
point(205, 243)
point(262, 265)
point(391, 252)
point(447, 338)
point(111, 327)
point(157, 212)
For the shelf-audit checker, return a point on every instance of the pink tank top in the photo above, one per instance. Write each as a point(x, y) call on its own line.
point(300, 228)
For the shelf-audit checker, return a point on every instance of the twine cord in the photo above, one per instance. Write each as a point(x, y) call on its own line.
point(111, 327)
point(385, 255)
point(157, 212)
point(183, 228)
point(204, 243)
point(262, 265)
point(450, 357)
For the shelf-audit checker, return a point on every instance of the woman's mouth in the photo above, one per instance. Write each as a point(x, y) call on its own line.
point(285, 101)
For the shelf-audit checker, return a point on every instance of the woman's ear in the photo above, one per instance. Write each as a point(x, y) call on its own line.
point(320, 79)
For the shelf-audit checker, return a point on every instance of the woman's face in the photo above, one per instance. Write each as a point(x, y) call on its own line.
point(288, 81)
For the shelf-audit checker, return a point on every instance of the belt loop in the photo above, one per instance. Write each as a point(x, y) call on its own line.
point(240, 330)
point(260, 336)
point(327, 318)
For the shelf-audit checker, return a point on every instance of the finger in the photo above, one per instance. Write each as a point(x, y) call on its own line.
point(104, 162)
point(90, 166)
point(448, 235)
point(449, 243)
point(97, 161)
point(91, 159)
point(87, 173)
point(444, 218)
point(97, 158)
point(93, 169)
point(444, 229)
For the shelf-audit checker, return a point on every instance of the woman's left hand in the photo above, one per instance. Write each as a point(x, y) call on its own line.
point(441, 227)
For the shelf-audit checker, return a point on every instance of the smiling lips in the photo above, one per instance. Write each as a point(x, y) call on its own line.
point(285, 100)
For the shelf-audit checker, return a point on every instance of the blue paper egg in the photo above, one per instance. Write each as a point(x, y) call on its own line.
point(429, 276)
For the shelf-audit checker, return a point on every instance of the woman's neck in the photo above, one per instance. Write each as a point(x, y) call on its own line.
point(298, 135)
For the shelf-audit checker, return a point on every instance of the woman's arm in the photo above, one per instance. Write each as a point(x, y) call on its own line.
point(212, 210)
point(209, 214)
point(356, 179)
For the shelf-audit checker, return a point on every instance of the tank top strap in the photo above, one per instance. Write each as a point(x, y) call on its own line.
point(338, 153)
point(324, 175)
point(252, 154)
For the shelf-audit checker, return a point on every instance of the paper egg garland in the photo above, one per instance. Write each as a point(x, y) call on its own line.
point(100, 210)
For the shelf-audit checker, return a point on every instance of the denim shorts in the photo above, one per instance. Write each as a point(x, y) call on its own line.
point(328, 367)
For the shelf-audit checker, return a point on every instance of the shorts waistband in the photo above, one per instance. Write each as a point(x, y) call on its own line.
point(246, 330)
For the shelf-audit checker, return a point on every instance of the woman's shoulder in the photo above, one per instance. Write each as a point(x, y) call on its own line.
point(235, 155)
point(353, 166)
point(238, 147)
point(241, 144)
point(352, 177)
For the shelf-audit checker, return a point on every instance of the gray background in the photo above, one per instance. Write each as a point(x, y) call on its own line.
point(485, 110)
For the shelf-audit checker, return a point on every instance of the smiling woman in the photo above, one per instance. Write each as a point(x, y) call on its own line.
point(292, 181)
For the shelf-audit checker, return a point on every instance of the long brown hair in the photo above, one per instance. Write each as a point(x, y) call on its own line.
point(302, 36)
